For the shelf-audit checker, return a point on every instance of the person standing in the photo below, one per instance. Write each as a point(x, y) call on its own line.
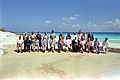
point(61, 35)
point(74, 35)
point(52, 35)
point(90, 35)
point(24, 39)
point(52, 38)
point(85, 36)
point(19, 44)
point(28, 44)
point(37, 43)
point(68, 36)
point(44, 45)
point(39, 37)
point(46, 37)
point(79, 37)
point(32, 37)
point(52, 44)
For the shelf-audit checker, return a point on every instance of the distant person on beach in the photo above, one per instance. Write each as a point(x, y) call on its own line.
point(52, 35)
point(25, 36)
point(105, 45)
point(90, 35)
point(74, 35)
point(44, 44)
point(75, 45)
point(37, 43)
point(19, 44)
point(46, 37)
point(32, 37)
point(68, 36)
point(89, 45)
point(85, 36)
point(52, 44)
point(61, 36)
point(39, 37)
point(82, 44)
point(68, 43)
point(97, 45)
point(60, 44)
point(79, 36)
point(28, 44)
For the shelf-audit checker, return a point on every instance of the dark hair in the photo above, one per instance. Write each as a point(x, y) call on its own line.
point(52, 31)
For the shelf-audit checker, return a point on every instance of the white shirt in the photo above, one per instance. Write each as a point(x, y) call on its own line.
point(20, 41)
point(79, 36)
point(83, 42)
point(33, 36)
point(68, 42)
point(105, 44)
point(74, 37)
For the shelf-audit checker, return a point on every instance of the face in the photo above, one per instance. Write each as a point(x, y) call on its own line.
point(19, 37)
point(38, 32)
point(88, 39)
point(74, 33)
point(106, 39)
point(96, 39)
point(90, 32)
point(25, 33)
point(84, 33)
point(32, 32)
point(82, 38)
point(45, 33)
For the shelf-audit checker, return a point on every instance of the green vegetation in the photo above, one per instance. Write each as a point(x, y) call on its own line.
point(3, 29)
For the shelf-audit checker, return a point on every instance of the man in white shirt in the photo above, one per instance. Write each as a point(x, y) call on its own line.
point(68, 43)
point(74, 35)
point(19, 44)
point(82, 44)
point(105, 45)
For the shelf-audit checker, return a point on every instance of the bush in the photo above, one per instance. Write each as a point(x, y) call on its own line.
point(2, 29)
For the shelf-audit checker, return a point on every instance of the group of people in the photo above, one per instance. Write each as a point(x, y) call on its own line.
point(77, 43)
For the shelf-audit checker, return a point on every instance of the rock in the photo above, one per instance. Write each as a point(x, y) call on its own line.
point(1, 52)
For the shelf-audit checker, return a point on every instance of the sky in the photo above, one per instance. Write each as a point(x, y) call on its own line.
point(60, 15)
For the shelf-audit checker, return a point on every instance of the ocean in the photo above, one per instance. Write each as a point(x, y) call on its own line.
point(113, 37)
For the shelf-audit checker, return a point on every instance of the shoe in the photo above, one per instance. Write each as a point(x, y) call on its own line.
point(43, 51)
point(52, 51)
point(59, 51)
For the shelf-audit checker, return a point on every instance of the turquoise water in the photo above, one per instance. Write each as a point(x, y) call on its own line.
point(114, 37)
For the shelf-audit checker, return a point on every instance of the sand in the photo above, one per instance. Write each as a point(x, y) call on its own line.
point(56, 66)
point(59, 66)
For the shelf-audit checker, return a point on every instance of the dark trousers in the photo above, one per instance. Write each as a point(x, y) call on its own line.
point(60, 47)
point(75, 48)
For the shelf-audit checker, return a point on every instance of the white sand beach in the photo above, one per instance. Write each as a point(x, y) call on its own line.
point(56, 66)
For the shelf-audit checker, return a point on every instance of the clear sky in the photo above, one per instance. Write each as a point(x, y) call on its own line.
point(60, 15)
